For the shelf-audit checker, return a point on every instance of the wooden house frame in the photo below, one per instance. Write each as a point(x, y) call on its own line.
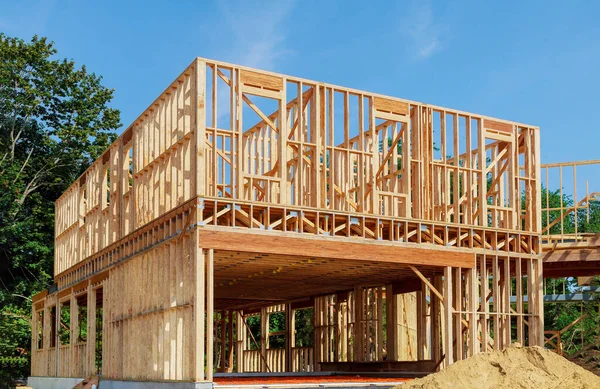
point(405, 226)
point(570, 252)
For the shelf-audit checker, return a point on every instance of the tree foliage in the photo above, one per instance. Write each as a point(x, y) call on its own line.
point(55, 119)
point(559, 315)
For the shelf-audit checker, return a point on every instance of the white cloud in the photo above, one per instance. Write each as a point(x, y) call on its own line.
point(258, 32)
point(425, 33)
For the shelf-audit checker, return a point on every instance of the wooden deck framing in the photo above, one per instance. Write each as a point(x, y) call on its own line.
point(568, 250)
point(241, 192)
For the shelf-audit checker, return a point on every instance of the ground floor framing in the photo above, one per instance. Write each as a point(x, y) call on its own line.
point(196, 292)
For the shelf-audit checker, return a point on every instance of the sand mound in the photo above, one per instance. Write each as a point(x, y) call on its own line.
point(515, 367)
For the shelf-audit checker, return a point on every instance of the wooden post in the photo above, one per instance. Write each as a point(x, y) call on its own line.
point(482, 203)
point(231, 344)
point(457, 302)
point(506, 288)
point(210, 315)
point(199, 298)
point(531, 306)
point(282, 146)
point(448, 343)
point(91, 330)
point(540, 301)
point(289, 336)
point(358, 325)
point(484, 302)
point(496, 302)
point(223, 328)
point(421, 322)
point(473, 307)
point(436, 321)
point(519, 296)
point(264, 337)
point(343, 325)
point(74, 327)
point(240, 340)
point(392, 329)
point(200, 127)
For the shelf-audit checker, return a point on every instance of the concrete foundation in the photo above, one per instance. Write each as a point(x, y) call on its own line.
point(110, 384)
point(52, 382)
point(337, 385)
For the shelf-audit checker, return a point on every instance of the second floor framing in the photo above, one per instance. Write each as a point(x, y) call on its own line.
point(234, 135)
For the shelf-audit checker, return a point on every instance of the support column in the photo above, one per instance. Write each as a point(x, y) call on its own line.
point(199, 308)
point(343, 317)
point(210, 315)
point(55, 336)
point(289, 336)
point(392, 329)
point(240, 340)
point(496, 302)
point(264, 338)
point(223, 329)
point(436, 321)
point(484, 302)
point(448, 343)
point(421, 322)
point(457, 299)
point(231, 345)
point(506, 289)
point(200, 127)
point(519, 295)
point(540, 299)
point(34, 339)
point(535, 306)
point(91, 330)
point(358, 325)
point(74, 334)
point(472, 308)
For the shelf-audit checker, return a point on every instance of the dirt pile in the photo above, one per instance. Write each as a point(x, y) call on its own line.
point(515, 367)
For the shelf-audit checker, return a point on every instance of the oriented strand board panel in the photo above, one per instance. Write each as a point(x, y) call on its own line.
point(498, 126)
point(392, 106)
point(261, 80)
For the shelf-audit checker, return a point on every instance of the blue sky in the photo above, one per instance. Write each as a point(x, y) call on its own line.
point(532, 61)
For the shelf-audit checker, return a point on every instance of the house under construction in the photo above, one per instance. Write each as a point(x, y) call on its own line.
point(400, 228)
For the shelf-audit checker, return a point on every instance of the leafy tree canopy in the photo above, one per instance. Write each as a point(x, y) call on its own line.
point(55, 119)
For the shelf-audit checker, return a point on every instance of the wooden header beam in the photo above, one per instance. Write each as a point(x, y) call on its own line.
point(336, 248)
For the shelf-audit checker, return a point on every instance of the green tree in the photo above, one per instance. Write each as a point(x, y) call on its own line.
point(559, 315)
point(552, 200)
point(55, 120)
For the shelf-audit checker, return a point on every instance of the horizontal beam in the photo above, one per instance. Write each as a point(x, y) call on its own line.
point(570, 164)
point(333, 247)
point(560, 298)
point(572, 255)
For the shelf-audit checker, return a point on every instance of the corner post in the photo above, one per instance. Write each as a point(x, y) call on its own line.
point(198, 254)
point(200, 126)
point(210, 299)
